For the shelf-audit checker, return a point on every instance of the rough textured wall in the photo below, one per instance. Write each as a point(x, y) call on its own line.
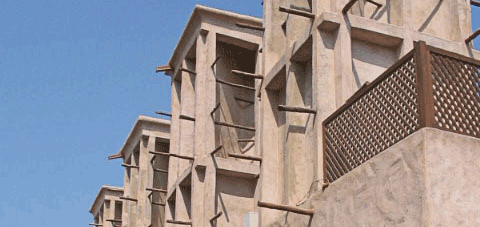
point(428, 179)
point(452, 164)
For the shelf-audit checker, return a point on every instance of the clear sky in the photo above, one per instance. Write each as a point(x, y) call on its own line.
point(74, 76)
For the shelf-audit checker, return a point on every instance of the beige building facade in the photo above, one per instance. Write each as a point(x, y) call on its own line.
point(322, 113)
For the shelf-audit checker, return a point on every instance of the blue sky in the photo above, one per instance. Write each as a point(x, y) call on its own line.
point(74, 76)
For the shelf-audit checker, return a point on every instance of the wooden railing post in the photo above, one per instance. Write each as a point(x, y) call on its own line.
point(424, 85)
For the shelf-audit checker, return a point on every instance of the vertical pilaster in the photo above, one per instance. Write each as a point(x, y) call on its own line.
point(203, 195)
point(187, 109)
point(424, 85)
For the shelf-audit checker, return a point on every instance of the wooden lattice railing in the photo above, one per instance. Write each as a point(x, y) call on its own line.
point(428, 87)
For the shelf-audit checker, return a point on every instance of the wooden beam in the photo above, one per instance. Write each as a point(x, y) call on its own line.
point(251, 75)
point(170, 154)
point(215, 62)
point(253, 27)
point(244, 100)
point(158, 204)
point(188, 71)
point(129, 199)
point(297, 12)
point(163, 68)
point(115, 156)
point(296, 109)
point(247, 157)
point(216, 150)
point(185, 117)
point(156, 190)
point(234, 126)
point(163, 113)
point(215, 109)
point(114, 220)
point(348, 6)
point(182, 156)
point(286, 208)
point(375, 3)
point(95, 224)
point(179, 222)
point(130, 166)
point(472, 37)
point(160, 170)
point(235, 85)
point(216, 216)
point(245, 140)
point(159, 153)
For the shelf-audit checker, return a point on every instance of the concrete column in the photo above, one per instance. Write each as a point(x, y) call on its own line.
point(174, 140)
point(147, 143)
point(188, 109)
point(203, 195)
point(271, 180)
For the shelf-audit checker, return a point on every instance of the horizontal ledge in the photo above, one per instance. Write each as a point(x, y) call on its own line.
point(129, 199)
point(163, 68)
point(130, 166)
point(160, 170)
point(188, 71)
point(115, 156)
point(114, 220)
point(185, 117)
point(256, 76)
point(216, 150)
point(245, 140)
point(253, 27)
point(179, 222)
point(247, 157)
point(156, 190)
point(216, 216)
point(286, 208)
point(235, 85)
point(159, 153)
point(296, 109)
point(163, 113)
point(234, 126)
point(297, 12)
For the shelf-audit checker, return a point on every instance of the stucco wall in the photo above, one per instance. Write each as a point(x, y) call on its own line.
point(428, 179)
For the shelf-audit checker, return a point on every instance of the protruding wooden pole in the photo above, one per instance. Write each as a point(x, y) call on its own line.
point(216, 150)
point(235, 85)
point(472, 37)
point(115, 156)
point(296, 109)
point(188, 71)
point(185, 117)
point(286, 208)
point(234, 126)
point(245, 140)
point(216, 216)
point(244, 100)
point(251, 75)
point(163, 113)
point(297, 12)
point(163, 68)
point(179, 222)
point(247, 157)
point(156, 190)
point(130, 166)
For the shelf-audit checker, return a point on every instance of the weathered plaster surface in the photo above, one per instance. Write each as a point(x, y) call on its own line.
point(428, 179)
